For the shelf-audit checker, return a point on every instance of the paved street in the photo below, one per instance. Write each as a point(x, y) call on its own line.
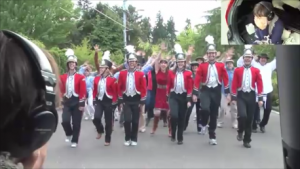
point(158, 151)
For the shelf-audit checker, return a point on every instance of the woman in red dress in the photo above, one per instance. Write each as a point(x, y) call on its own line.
point(161, 104)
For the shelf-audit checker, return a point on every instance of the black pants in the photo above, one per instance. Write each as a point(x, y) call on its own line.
point(267, 111)
point(189, 112)
point(210, 103)
point(178, 107)
point(246, 103)
point(256, 117)
point(131, 111)
point(105, 107)
point(71, 111)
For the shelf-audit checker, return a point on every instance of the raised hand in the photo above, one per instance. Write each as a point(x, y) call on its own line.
point(163, 46)
point(190, 50)
point(96, 48)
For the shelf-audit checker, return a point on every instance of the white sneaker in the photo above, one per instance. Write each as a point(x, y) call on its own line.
point(220, 124)
point(142, 130)
point(134, 143)
point(203, 130)
point(127, 143)
point(68, 139)
point(86, 118)
point(234, 126)
point(74, 145)
point(213, 142)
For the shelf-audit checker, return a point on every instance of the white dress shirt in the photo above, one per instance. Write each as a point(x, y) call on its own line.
point(179, 83)
point(101, 88)
point(247, 80)
point(130, 85)
point(212, 76)
point(70, 86)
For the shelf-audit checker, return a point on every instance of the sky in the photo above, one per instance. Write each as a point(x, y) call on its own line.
point(180, 10)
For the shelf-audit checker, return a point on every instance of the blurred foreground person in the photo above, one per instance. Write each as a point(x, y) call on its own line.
point(73, 90)
point(28, 117)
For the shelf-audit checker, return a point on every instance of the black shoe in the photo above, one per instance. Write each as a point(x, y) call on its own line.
point(180, 142)
point(240, 137)
point(254, 130)
point(173, 139)
point(247, 145)
point(262, 129)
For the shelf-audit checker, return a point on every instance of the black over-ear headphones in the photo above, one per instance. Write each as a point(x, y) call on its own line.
point(270, 15)
point(37, 129)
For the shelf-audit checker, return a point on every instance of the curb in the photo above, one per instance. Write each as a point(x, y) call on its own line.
point(275, 112)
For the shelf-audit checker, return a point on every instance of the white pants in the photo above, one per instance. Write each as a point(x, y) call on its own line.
point(89, 107)
point(225, 108)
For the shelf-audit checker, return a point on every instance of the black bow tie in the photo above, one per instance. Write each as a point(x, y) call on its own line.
point(212, 62)
point(247, 66)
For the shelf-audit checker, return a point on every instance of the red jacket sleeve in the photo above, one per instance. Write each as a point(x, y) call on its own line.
point(225, 79)
point(197, 80)
point(143, 89)
point(189, 88)
point(82, 91)
point(120, 83)
point(95, 88)
point(259, 85)
point(115, 92)
point(234, 84)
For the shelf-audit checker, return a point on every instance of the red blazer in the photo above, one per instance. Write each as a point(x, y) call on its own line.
point(79, 86)
point(202, 72)
point(111, 88)
point(140, 84)
point(237, 82)
point(188, 82)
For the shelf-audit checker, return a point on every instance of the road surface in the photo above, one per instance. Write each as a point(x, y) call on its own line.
point(157, 151)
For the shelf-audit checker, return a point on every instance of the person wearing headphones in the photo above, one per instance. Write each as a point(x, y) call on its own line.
point(28, 117)
point(269, 27)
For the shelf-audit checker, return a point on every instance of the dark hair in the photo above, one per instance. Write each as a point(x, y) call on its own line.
point(263, 55)
point(262, 9)
point(19, 89)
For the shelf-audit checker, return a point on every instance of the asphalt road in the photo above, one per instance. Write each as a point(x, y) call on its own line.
point(157, 151)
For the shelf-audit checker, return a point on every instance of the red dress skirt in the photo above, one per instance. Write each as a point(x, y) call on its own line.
point(161, 91)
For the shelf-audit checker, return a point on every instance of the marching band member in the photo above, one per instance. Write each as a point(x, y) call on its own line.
point(105, 97)
point(161, 104)
point(132, 93)
point(179, 92)
point(73, 89)
point(194, 67)
point(226, 107)
point(266, 70)
point(245, 80)
point(210, 74)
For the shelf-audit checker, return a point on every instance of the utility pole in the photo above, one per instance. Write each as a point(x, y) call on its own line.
point(124, 22)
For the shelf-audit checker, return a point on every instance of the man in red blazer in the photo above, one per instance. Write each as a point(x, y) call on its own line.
point(245, 80)
point(210, 74)
point(179, 94)
point(73, 90)
point(105, 97)
point(132, 94)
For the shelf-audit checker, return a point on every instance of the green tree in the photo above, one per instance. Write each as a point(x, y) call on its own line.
point(159, 31)
point(49, 21)
point(170, 27)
